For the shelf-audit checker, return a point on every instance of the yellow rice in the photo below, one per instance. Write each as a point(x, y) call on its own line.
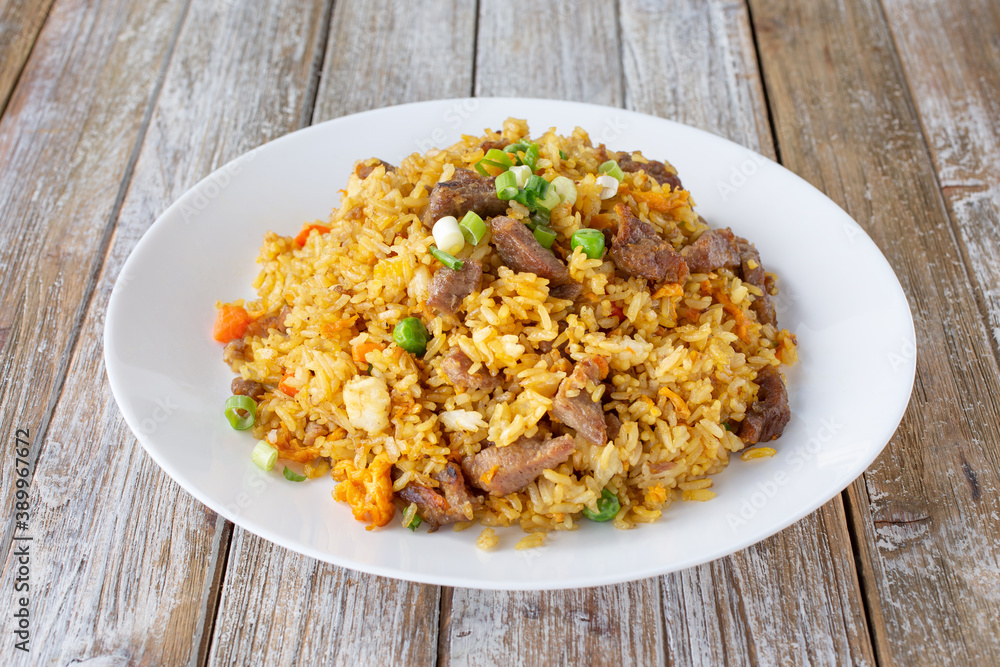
point(673, 385)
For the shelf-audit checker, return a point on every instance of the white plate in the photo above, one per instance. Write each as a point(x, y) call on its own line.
point(839, 296)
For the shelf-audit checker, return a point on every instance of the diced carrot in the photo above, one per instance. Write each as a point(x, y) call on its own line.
point(669, 289)
point(738, 315)
point(361, 351)
point(231, 323)
point(679, 405)
point(288, 389)
point(662, 201)
point(303, 236)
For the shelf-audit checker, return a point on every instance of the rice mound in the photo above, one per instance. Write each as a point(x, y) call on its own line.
point(682, 357)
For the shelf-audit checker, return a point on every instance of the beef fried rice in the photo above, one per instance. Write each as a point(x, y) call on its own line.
point(593, 350)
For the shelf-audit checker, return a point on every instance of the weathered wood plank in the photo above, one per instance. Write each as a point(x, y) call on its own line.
point(127, 565)
point(320, 613)
point(926, 512)
point(67, 140)
point(613, 624)
point(20, 23)
point(950, 52)
point(695, 62)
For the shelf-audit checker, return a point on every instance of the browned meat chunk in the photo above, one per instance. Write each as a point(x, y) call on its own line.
point(498, 144)
point(449, 504)
point(456, 366)
point(313, 431)
point(613, 424)
point(236, 351)
point(752, 271)
point(654, 169)
point(503, 470)
point(714, 249)
point(573, 406)
point(767, 416)
point(467, 191)
point(639, 251)
point(521, 251)
point(365, 170)
point(449, 287)
point(242, 387)
point(261, 326)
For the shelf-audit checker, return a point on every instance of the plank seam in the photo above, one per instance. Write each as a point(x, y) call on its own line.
point(851, 511)
point(101, 253)
point(763, 86)
point(24, 65)
point(953, 227)
point(319, 61)
point(220, 563)
point(475, 49)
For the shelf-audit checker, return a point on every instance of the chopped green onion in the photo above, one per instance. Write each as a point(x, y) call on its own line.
point(545, 235)
point(411, 335)
point(607, 507)
point(521, 173)
point(562, 155)
point(293, 476)
point(526, 197)
point(538, 185)
point(726, 426)
point(540, 216)
point(494, 158)
point(473, 228)
point(264, 455)
point(410, 518)
point(550, 200)
point(612, 169)
point(531, 156)
point(590, 240)
point(506, 185)
point(514, 148)
point(565, 188)
point(450, 261)
point(241, 411)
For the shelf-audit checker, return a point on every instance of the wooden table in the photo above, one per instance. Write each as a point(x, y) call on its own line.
point(113, 108)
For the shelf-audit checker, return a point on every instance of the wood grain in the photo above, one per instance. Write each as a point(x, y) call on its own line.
point(950, 52)
point(695, 62)
point(128, 565)
point(315, 613)
point(67, 144)
point(925, 513)
point(20, 23)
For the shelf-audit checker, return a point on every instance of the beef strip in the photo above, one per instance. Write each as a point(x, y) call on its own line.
point(768, 414)
point(450, 503)
point(614, 425)
point(498, 144)
point(243, 387)
point(714, 249)
point(456, 365)
point(449, 287)
point(521, 251)
point(467, 191)
point(236, 351)
point(639, 251)
point(503, 470)
point(261, 326)
point(752, 271)
point(579, 411)
point(654, 169)
point(313, 431)
point(365, 170)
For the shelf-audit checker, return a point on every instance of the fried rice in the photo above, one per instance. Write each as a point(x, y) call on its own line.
point(335, 392)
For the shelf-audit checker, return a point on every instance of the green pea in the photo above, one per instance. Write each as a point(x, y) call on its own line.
point(411, 335)
point(607, 507)
point(591, 240)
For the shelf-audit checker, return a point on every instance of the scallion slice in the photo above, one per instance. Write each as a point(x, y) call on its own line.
point(612, 169)
point(562, 155)
point(450, 261)
point(531, 156)
point(264, 456)
point(565, 188)
point(241, 411)
point(526, 197)
point(591, 241)
point(545, 235)
point(293, 476)
point(473, 228)
point(550, 200)
point(506, 185)
point(538, 185)
point(494, 158)
point(526, 152)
